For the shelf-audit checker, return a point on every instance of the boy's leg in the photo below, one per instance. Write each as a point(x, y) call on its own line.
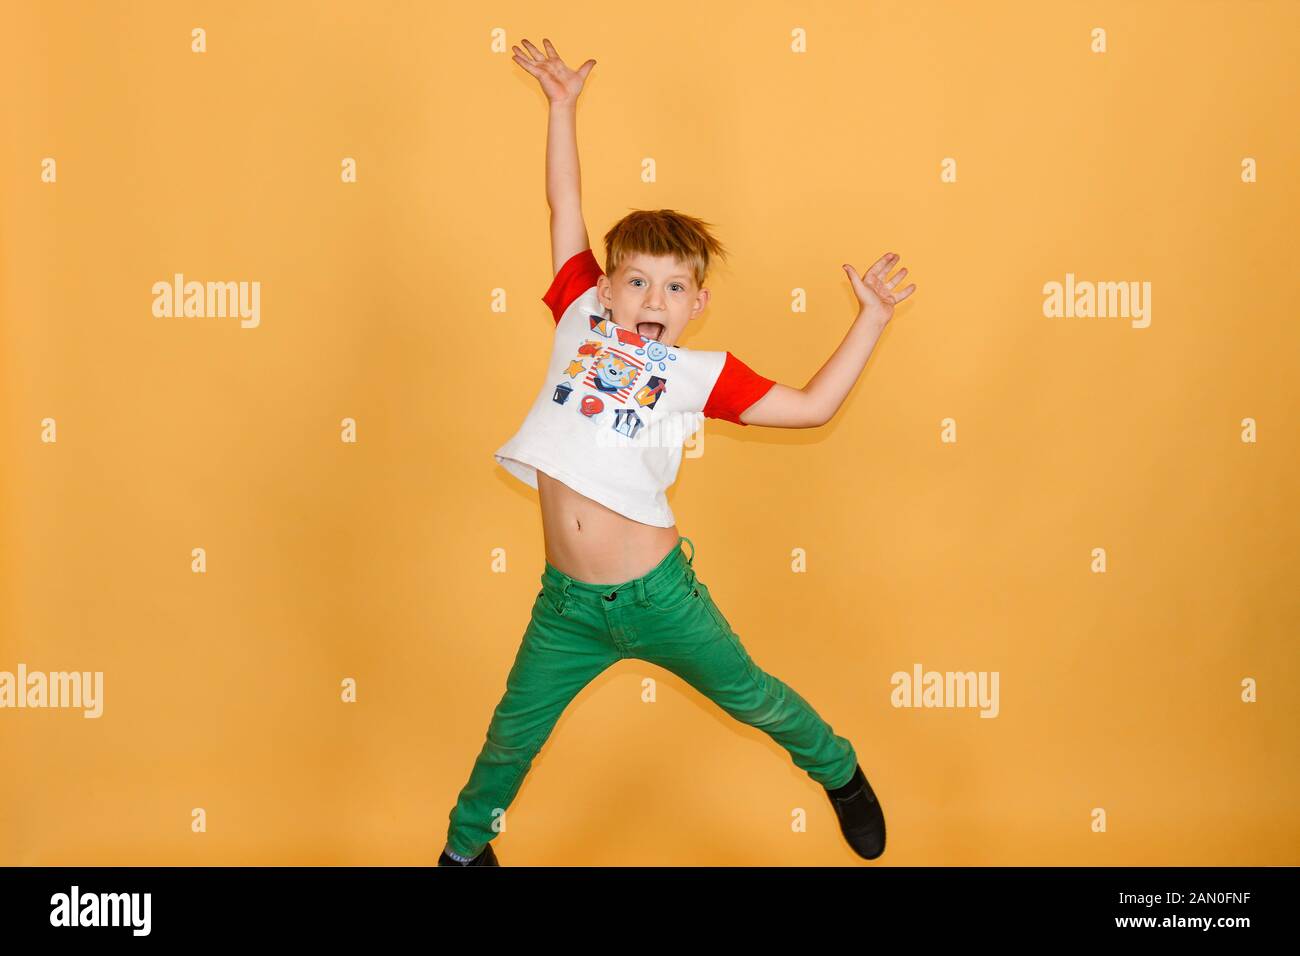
point(693, 640)
point(559, 655)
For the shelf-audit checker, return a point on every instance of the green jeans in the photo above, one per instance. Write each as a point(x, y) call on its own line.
point(665, 617)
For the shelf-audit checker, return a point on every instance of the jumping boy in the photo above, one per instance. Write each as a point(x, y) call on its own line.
point(601, 444)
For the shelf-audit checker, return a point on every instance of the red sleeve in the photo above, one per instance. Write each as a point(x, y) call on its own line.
point(575, 277)
point(738, 386)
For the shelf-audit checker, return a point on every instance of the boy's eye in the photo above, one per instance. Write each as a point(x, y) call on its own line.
point(676, 285)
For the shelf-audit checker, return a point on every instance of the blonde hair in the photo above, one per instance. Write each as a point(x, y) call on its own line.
point(663, 232)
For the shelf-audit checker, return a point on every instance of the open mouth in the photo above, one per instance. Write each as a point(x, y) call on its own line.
point(650, 330)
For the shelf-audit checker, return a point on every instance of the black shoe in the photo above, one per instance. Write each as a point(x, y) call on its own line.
point(861, 820)
point(485, 858)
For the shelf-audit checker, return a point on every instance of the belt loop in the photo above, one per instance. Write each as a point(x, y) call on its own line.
point(690, 562)
point(640, 592)
point(564, 595)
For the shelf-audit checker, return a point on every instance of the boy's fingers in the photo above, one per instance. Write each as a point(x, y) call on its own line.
point(526, 64)
point(536, 53)
point(882, 263)
point(586, 68)
point(550, 50)
point(897, 279)
point(900, 296)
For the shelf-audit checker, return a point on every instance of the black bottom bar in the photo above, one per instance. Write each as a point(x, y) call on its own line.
point(443, 906)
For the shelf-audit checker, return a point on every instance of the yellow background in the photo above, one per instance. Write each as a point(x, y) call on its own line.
point(373, 561)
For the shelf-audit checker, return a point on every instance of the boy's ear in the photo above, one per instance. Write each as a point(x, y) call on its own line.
point(701, 297)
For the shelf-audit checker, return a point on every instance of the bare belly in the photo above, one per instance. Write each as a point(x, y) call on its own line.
point(592, 543)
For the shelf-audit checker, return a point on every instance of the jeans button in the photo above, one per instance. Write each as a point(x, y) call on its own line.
point(610, 597)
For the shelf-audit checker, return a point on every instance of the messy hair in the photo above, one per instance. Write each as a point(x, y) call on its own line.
point(663, 232)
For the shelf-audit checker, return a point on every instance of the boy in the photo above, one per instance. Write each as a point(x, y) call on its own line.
point(601, 444)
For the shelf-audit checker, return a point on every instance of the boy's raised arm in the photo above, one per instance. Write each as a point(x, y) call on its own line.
point(784, 406)
point(562, 87)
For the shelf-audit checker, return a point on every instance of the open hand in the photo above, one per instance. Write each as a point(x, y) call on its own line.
point(559, 83)
point(875, 293)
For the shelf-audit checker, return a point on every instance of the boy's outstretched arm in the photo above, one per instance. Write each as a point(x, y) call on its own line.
point(817, 402)
point(563, 182)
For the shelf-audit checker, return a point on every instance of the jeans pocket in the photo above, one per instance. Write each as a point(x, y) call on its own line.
point(672, 596)
point(702, 590)
point(544, 598)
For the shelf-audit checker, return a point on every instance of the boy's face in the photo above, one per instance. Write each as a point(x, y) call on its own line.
point(654, 296)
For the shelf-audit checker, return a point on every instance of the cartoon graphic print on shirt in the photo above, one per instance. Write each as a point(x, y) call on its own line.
point(656, 352)
point(614, 372)
point(602, 323)
point(651, 391)
point(627, 422)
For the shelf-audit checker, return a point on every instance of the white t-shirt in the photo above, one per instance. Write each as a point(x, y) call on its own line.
point(615, 408)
